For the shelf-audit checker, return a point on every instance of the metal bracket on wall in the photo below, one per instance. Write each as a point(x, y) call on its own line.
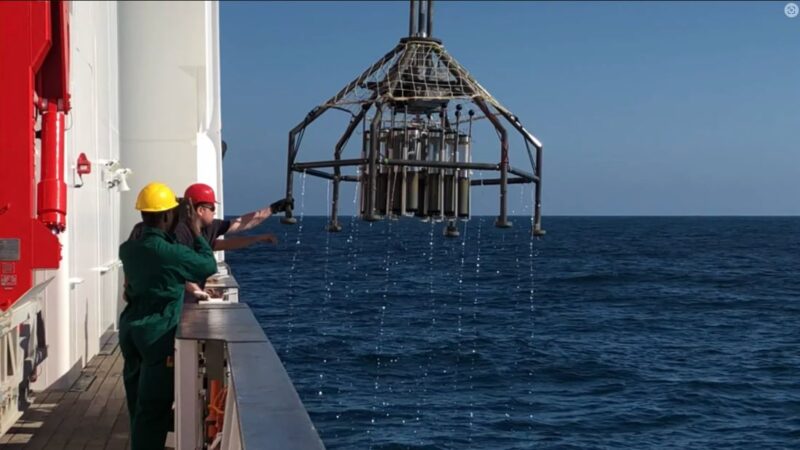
point(107, 267)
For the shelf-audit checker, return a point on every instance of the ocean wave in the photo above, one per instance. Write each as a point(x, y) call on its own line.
point(618, 333)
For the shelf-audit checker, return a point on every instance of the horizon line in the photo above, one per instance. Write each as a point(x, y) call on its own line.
point(580, 215)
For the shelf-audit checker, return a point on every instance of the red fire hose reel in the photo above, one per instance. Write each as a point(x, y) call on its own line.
point(34, 55)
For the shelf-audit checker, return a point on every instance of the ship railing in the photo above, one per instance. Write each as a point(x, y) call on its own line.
point(224, 358)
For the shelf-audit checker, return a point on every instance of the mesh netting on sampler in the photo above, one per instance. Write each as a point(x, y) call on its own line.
point(412, 71)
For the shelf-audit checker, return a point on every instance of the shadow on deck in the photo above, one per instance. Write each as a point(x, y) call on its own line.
point(91, 415)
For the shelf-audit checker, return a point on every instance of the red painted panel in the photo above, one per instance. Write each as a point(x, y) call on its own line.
point(26, 38)
point(53, 76)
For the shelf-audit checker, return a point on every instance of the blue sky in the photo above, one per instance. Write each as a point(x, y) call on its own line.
point(644, 108)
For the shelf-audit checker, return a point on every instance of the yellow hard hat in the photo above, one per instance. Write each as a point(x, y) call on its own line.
point(156, 197)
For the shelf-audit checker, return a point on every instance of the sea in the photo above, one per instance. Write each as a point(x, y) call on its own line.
point(607, 333)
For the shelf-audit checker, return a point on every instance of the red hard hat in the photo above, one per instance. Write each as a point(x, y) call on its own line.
point(200, 193)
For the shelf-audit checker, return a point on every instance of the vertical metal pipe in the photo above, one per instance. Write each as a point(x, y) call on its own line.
point(502, 219)
point(363, 179)
point(391, 151)
point(421, 31)
point(391, 174)
point(412, 29)
point(292, 151)
point(458, 131)
point(537, 217)
point(412, 175)
point(422, 185)
point(334, 220)
point(454, 158)
point(429, 28)
point(405, 124)
point(443, 116)
point(288, 218)
point(375, 141)
point(333, 225)
point(463, 181)
point(442, 152)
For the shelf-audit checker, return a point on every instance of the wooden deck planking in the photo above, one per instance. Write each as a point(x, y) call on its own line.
point(95, 419)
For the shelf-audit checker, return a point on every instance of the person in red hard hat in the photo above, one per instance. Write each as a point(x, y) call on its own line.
point(205, 201)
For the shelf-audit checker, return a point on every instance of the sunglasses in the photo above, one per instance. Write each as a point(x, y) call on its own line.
point(211, 208)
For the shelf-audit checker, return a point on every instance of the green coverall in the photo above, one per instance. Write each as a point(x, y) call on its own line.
point(156, 268)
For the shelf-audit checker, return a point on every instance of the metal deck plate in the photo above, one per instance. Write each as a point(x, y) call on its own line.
point(230, 322)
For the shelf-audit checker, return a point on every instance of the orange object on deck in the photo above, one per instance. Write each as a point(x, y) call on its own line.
point(216, 408)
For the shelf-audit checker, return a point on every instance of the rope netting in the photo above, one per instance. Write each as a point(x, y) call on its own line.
point(414, 72)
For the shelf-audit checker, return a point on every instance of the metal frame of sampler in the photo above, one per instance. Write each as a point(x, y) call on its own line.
point(416, 106)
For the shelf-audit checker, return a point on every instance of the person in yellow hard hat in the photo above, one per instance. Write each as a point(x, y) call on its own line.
point(156, 269)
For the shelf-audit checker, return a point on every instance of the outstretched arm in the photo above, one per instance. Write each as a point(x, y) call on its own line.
point(233, 243)
point(253, 219)
point(249, 221)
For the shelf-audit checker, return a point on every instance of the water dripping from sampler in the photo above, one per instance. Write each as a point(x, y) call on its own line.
point(294, 263)
point(326, 299)
point(475, 332)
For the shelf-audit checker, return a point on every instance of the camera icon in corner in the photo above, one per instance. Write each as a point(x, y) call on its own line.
point(791, 10)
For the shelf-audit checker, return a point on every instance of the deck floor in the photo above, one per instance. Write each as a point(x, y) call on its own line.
point(91, 415)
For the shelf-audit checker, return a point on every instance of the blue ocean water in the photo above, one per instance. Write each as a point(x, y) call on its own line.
point(623, 333)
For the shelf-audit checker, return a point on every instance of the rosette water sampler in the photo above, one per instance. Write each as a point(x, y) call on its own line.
point(417, 107)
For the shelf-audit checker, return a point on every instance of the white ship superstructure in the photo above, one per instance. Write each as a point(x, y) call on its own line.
point(134, 89)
